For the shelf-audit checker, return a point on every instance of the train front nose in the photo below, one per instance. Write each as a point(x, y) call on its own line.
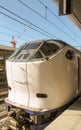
point(17, 82)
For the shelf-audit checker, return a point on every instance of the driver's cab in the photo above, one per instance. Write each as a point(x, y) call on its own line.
point(41, 50)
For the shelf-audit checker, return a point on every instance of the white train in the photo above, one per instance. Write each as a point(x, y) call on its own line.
point(43, 76)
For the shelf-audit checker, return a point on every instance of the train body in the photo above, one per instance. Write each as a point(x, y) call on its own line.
point(43, 76)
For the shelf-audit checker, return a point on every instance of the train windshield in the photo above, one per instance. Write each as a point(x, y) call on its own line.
point(47, 50)
point(31, 46)
point(16, 52)
point(35, 51)
point(24, 52)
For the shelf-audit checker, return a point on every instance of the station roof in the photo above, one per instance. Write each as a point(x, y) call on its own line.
point(6, 47)
point(72, 8)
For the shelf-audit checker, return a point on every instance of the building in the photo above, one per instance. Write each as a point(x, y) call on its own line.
point(5, 52)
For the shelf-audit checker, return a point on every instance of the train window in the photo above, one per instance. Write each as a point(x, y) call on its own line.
point(16, 52)
point(20, 56)
point(23, 56)
point(49, 48)
point(70, 54)
point(37, 55)
point(31, 46)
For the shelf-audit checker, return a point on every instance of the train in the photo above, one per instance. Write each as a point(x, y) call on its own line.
point(43, 76)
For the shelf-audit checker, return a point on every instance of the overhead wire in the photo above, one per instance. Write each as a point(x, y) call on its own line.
point(9, 35)
point(58, 18)
point(5, 34)
point(44, 32)
point(29, 22)
point(21, 22)
point(46, 18)
point(11, 29)
point(4, 40)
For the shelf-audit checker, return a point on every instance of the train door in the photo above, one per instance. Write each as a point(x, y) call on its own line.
point(79, 74)
point(74, 74)
point(77, 78)
point(19, 74)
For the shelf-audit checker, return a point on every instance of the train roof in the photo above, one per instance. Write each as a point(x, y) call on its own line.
point(61, 41)
point(42, 40)
point(57, 40)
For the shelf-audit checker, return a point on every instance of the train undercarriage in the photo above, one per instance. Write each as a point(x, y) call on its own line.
point(19, 119)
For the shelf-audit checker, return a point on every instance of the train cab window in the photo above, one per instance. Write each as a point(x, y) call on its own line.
point(23, 56)
point(37, 50)
point(16, 52)
point(38, 55)
point(49, 49)
point(31, 46)
point(20, 56)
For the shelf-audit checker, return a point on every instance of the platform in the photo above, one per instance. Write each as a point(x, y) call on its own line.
point(70, 119)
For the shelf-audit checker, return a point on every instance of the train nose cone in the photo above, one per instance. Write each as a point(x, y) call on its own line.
point(18, 83)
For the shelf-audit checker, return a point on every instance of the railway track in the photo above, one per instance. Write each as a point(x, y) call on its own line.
point(4, 124)
point(3, 116)
point(3, 109)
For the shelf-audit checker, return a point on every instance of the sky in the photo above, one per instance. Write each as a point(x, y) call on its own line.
point(28, 20)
